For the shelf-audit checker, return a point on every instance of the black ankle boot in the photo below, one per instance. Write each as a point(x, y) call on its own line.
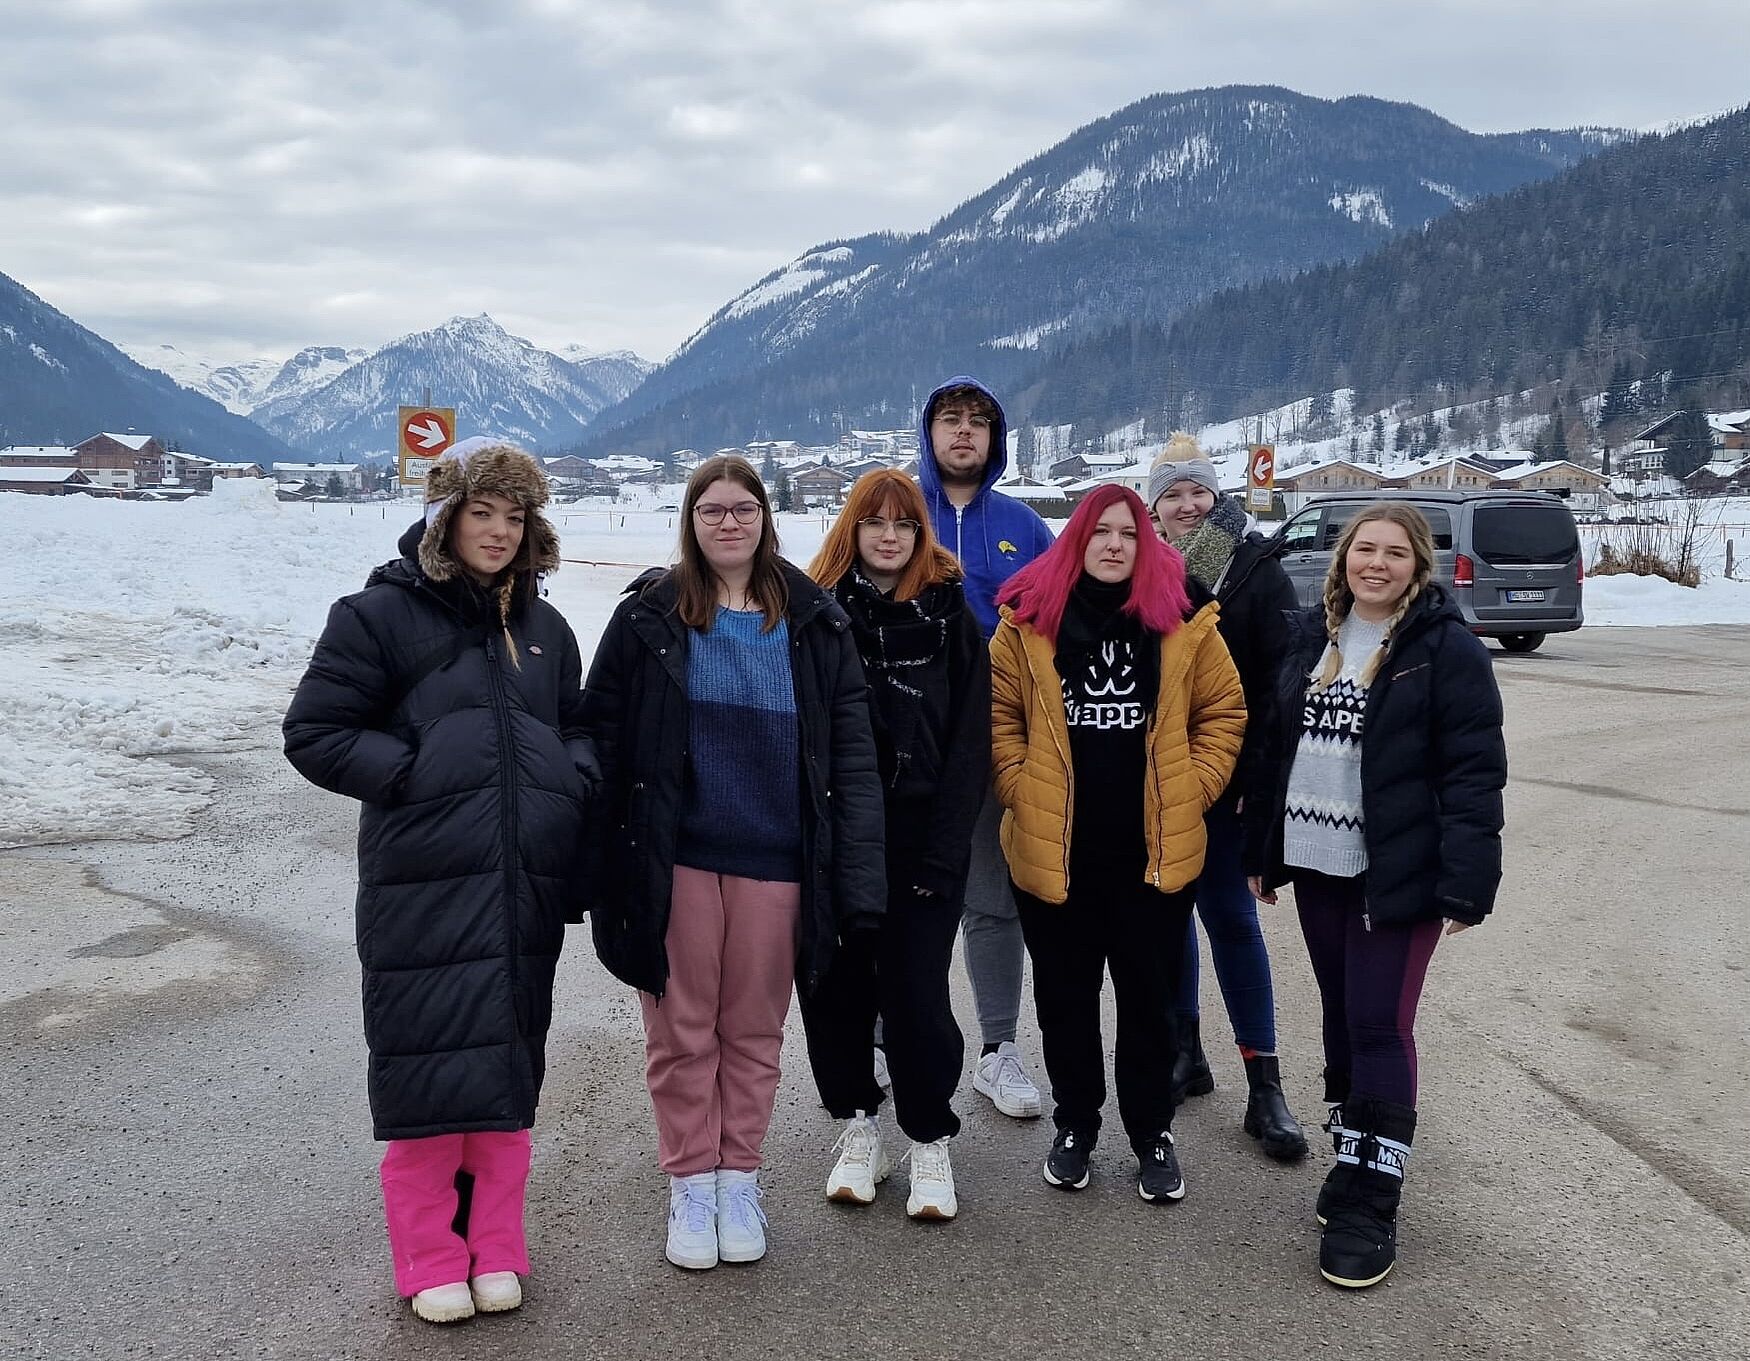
point(1191, 1075)
point(1268, 1118)
point(1360, 1243)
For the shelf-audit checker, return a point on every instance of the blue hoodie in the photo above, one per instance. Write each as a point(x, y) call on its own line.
point(994, 536)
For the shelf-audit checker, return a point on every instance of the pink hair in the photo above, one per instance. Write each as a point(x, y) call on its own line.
point(1039, 591)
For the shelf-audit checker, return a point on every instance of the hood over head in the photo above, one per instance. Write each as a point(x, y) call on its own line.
point(929, 475)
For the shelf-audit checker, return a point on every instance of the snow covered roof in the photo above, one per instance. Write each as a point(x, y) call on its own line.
point(42, 451)
point(26, 473)
point(1518, 471)
point(1729, 422)
point(315, 468)
point(132, 441)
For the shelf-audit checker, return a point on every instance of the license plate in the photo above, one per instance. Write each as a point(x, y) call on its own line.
point(1517, 596)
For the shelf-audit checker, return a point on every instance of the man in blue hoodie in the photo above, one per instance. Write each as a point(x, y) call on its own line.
point(963, 449)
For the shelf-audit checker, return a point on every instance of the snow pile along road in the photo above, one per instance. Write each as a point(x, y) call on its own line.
point(136, 631)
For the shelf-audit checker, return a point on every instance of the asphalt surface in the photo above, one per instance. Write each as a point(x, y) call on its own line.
point(189, 1171)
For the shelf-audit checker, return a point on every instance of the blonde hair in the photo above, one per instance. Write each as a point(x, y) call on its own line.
point(1339, 599)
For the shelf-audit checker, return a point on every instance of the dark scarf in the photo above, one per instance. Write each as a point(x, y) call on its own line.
point(1095, 614)
point(894, 637)
point(1209, 548)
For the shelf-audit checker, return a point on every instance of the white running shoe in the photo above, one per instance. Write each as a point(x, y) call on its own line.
point(496, 1292)
point(741, 1223)
point(1001, 1076)
point(883, 1078)
point(932, 1182)
point(863, 1164)
point(692, 1221)
point(445, 1303)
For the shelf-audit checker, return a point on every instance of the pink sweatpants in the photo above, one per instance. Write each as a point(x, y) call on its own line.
point(419, 1201)
point(711, 1045)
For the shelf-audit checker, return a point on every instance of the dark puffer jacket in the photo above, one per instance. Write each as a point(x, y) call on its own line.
point(635, 711)
point(1433, 765)
point(474, 777)
point(1256, 597)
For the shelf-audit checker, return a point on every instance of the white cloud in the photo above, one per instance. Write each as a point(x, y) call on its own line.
point(236, 178)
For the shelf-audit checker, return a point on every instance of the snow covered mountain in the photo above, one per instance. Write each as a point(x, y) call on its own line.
point(60, 383)
point(499, 384)
point(615, 372)
point(235, 386)
point(307, 370)
point(1130, 219)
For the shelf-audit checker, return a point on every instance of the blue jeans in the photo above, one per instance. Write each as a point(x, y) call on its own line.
point(1230, 916)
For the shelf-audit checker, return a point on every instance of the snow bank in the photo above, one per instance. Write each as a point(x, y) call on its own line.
point(1626, 599)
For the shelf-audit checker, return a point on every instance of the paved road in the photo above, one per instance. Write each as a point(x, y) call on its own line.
point(189, 1172)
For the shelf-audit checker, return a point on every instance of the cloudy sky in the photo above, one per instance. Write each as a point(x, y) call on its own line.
point(240, 178)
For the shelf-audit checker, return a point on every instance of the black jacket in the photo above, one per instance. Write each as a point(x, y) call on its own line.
point(1256, 597)
point(635, 709)
point(1433, 765)
point(474, 777)
point(931, 718)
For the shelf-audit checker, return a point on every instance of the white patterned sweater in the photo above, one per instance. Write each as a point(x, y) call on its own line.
point(1322, 826)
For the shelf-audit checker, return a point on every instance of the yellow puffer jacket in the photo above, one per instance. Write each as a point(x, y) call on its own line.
point(1193, 742)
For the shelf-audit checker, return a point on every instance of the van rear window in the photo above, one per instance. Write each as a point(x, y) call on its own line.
point(1526, 534)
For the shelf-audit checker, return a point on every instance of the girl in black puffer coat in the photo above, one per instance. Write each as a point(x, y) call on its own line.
point(1380, 799)
point(446, 697)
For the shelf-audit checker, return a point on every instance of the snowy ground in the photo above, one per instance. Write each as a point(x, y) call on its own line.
point(137, 633)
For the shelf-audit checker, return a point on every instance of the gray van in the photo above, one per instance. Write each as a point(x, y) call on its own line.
point(1511, 558)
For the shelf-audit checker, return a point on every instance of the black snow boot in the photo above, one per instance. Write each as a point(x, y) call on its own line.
point(1342, 1138)
point(1191, 1075)
point(1267, 1115)
point(1359, 1245)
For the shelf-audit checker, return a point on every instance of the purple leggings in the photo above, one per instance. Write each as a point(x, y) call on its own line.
point(1369, 984)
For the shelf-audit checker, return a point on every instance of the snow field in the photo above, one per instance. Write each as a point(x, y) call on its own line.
point(138, 633)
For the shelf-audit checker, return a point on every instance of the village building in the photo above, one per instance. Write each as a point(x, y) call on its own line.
point(40, 481)
point(127, 460)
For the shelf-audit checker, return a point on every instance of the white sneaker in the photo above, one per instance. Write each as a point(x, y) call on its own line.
point(496, 1292)
point(741, 1223)
point(883, 1079)
point(932, 1182)
point(445, 1303)
point(862, 1166)
point(1001, 1076)
point(692, 1221)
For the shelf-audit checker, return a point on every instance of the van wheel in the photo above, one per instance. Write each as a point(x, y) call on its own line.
point(1521, 642)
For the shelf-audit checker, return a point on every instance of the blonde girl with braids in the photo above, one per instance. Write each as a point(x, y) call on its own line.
point(446, 697)
point(1378, 797)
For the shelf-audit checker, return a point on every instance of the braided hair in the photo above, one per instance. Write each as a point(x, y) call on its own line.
point(1339, 599)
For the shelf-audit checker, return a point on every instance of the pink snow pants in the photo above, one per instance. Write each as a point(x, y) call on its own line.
point(711, 1044)
point(419, 1201)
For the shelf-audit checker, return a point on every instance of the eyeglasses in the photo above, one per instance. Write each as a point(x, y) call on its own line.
point(874, 524)
point(745, 512)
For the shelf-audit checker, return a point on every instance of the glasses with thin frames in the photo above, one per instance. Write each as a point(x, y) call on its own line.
point(876, 525)
point(745, 512)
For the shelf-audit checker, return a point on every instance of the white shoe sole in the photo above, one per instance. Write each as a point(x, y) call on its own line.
point(1013, 1107)
point(741, 1256)
point(698, 1263)
point(498, 1304)
point(1168, 1195)
point(432, 1313)
point(846, 1194)
point(937, 1211)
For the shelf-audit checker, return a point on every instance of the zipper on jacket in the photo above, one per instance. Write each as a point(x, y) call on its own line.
point(959, 547)
point(507, 828)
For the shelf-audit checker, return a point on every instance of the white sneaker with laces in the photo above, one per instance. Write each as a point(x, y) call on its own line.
point(496, 1291)
point(863, 1163)
point(932, 1182)
point(692, 1221)
point(883, 1079)
point(741, 1222)
point(1002, 1077)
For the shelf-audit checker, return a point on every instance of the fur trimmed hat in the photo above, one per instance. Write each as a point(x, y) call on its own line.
point(486, 466)
point(1183, 460)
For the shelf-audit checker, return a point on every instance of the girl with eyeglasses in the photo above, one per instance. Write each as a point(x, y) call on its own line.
point(743, 836)
point(929, 701)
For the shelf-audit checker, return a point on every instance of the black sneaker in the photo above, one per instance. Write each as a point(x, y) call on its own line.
point(1066, 1166)
point(1157, 1173)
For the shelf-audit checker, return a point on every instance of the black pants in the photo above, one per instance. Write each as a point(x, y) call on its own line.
point(1112, 921)
point(899, 972)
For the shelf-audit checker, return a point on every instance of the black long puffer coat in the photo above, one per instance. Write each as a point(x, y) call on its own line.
point(635, 707)
point(1256, 597)
point(474, 774)
point(1433, 765)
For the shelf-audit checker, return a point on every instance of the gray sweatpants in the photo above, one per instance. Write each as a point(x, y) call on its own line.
point(991, 929)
